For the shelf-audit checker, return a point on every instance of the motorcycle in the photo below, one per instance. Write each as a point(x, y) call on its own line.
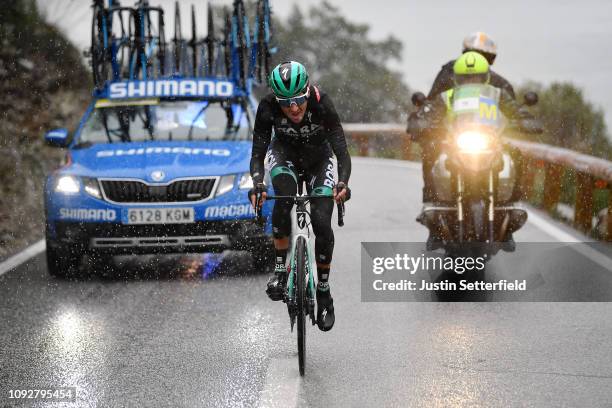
point(475, 180)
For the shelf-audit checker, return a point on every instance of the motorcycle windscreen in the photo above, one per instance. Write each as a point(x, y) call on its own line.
point(476, 106)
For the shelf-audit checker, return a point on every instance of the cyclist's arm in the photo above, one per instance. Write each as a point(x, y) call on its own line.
point(262, 133)
point(335, 135)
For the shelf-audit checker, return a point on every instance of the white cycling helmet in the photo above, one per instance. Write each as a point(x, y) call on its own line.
point(481, 43)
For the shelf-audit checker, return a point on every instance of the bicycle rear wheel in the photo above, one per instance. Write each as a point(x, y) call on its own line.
point(302, 305)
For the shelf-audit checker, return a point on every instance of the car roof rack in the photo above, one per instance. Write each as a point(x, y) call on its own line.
point(131, 57)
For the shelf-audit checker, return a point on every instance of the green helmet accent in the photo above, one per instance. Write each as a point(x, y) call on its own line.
point(471, 63)
point(288, 79)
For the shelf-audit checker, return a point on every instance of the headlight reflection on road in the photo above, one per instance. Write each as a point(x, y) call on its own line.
point(458, 386)
point(68, 333)
point(69, 326)
point(76, 354)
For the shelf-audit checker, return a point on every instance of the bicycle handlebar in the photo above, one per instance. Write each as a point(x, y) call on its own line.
point(341, 207)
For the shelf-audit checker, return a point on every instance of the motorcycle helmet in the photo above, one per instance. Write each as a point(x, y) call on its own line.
point(471, 68)
point(289, 82)
point(481, 43)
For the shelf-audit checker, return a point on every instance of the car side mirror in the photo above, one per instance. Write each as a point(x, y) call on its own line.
point(57, 137)
point(530, 98)
point(418, 99)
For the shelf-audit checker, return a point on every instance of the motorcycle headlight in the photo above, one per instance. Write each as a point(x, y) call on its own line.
point(473, 142)
point(67, 185)
point(246, 181)
point(226, 183)
point(91, 187)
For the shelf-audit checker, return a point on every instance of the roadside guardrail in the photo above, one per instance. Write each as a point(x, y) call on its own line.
point(590, 173)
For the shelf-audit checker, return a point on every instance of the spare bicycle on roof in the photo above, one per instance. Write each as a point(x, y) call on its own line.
point(129, 43)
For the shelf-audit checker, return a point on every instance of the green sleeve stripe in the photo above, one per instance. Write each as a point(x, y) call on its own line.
point(323, 191)
point(282, 170)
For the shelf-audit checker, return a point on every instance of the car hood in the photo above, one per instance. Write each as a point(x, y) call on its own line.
point(173, 159)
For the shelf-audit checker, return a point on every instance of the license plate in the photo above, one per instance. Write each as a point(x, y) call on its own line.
point(160, 215)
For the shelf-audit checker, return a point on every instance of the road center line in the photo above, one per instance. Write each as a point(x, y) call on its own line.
point(16, 260)
point(282, 384)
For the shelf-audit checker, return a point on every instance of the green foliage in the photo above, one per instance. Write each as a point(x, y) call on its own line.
point(345, 62)
point(570, 121)
point(24, 35)
point(43, 84)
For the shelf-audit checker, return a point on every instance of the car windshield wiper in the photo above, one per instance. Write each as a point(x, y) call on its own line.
point(195, 119)
point(105, 124)
point(148, 123)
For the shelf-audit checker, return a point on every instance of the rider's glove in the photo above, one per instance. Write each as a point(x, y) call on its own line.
point(342, 186)
point(257, 189)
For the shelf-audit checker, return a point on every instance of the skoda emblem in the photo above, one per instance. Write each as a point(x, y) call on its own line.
point(158, 175)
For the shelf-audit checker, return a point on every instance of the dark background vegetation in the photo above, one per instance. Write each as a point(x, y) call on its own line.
point(44, 84)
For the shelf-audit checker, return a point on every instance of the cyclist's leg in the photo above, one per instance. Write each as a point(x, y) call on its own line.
point(322, 183)
point(284, 181)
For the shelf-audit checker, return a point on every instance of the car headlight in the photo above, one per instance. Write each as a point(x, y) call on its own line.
point(473, 142)
point(226, 183)
point(246, 181)
point(92, 187)
point(67, 185)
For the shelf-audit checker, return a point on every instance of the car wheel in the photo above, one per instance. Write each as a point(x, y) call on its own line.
point(62, 262)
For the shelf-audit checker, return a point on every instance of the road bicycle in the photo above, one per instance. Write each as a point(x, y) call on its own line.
point(301, 286)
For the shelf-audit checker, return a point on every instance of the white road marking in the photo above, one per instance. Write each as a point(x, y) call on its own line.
point(562, 236)
point(549, 228)
point(16, 260)
point(282, 384)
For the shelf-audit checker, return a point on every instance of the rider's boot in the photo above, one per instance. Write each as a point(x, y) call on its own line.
point(277, 282)
point(509, 245)
point(325, 307)
point(434, 241)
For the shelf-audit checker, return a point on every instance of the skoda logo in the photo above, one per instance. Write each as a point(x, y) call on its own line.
point(158, 175)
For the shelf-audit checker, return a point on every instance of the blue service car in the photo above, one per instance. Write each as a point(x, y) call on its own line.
point(155, 166)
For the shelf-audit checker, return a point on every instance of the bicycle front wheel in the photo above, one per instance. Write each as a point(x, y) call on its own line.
point(301, 285)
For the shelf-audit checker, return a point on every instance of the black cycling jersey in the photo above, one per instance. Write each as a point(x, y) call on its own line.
point(319, 131)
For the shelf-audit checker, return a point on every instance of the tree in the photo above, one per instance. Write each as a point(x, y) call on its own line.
point(345, 62)
point(571, 121)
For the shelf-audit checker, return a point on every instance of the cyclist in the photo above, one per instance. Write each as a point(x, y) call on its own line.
point(482, 44)
point(307, 133)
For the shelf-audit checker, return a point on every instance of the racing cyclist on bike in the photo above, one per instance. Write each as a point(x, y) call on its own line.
point(307, 133)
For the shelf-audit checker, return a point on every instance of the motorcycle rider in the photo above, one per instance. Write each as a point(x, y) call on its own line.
point(307, 133)
point(482, 44)
point(469, 68)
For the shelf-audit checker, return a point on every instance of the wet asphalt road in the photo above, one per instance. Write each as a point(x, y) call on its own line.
point(168, 337)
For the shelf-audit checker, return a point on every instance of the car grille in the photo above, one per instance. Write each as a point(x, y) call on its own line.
point(133, 191)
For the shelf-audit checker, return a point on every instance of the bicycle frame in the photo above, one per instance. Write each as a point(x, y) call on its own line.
point(300, 227)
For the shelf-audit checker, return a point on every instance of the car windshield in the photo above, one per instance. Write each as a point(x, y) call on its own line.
point(154, 120)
